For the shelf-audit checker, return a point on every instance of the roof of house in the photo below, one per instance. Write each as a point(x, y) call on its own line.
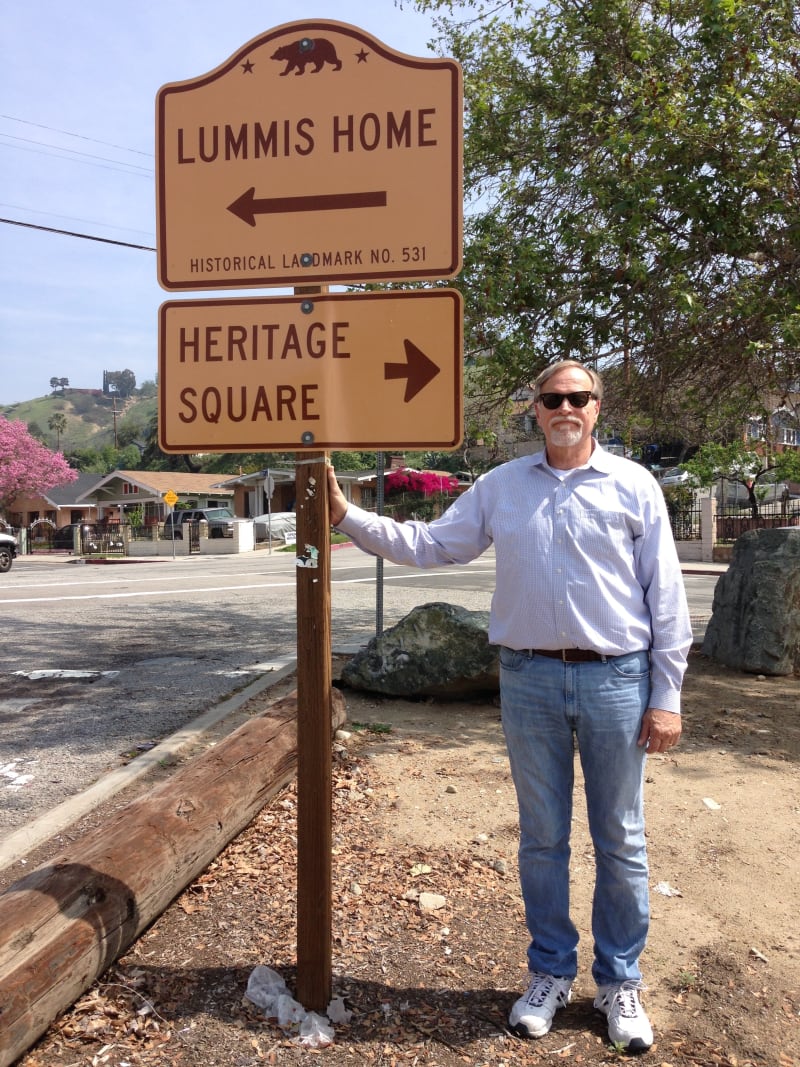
point(68, 495)
point(278, 474)
point(156, 483)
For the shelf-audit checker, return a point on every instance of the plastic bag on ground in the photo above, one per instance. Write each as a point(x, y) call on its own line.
point(264, 987)
point(315, 1031)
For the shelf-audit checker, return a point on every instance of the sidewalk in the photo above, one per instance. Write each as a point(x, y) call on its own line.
point(703, 568)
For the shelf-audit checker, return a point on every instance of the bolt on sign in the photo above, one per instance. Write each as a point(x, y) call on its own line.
point(314, 154)
point(374, 370)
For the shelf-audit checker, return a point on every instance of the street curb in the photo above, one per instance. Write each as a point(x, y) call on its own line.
point(18, 844)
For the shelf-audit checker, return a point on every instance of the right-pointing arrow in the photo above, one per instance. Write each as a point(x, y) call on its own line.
point(418, 370)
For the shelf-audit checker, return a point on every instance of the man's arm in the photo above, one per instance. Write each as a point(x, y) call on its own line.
point(456, 537)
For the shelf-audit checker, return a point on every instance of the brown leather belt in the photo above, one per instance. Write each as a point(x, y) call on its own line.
point(569, 655)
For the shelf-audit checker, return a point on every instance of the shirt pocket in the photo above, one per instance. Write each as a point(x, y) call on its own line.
point(602, 532)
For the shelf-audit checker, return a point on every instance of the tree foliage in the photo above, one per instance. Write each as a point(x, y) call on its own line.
point(119, 383)
point(744, 466)
point(634, 198)
point(58, 424)
point(26, 465)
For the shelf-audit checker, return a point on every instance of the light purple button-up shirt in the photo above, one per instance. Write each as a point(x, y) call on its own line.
point(585, 559)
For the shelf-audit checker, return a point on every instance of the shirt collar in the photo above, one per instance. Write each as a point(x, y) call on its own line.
point(600, 460)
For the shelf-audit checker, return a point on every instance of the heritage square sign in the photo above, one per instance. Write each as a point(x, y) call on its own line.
point(328, 371)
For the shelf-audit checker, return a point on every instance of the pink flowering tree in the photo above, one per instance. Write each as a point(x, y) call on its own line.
point(26, 465)
point(421, 494)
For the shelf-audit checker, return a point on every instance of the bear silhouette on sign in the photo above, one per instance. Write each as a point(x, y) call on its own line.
point(299, 54)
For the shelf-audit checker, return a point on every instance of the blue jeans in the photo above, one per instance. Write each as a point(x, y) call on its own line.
point(545, 704)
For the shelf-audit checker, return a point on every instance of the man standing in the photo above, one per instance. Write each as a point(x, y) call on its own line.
point(590, 614)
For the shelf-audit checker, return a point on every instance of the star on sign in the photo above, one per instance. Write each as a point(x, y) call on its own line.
point(247, 67)
point(362, 56)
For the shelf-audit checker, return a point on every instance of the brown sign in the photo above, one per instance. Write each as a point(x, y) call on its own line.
point(376, 370)
point(314, 154)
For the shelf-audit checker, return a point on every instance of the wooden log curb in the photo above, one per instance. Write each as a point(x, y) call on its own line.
point(65, 923)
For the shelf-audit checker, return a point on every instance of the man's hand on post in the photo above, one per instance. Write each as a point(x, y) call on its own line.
point(337, 504)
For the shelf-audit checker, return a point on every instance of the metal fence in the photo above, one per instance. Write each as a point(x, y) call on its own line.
point(732, 523)
point(684, 518)
point(88, 539)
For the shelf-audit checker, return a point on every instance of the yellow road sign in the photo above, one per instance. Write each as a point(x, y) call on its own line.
point(376, 370)
point(314, 154)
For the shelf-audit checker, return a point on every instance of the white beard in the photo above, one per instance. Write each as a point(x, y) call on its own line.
point(566, 435)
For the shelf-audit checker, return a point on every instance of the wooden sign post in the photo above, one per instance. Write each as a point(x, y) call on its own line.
point(347, 171)
point(314, 785)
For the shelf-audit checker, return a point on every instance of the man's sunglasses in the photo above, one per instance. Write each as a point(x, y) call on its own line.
point(576, 400)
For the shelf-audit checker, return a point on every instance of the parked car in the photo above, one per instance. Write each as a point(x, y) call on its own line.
point(8, 551)
point(220, 521)
point(674, 476)
point(64, 536)
point(281, 525)
point(734, 494)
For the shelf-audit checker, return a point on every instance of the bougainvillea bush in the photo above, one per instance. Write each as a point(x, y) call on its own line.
point(418, 494)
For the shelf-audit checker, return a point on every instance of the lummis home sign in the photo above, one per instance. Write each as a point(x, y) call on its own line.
point(314, 154)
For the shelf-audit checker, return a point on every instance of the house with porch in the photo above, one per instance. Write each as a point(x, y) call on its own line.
point(59, 506)
point(121, 495)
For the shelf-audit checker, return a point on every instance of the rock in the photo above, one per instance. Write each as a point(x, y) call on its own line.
point(431, 901)
point(438, 650)
point(755, 625)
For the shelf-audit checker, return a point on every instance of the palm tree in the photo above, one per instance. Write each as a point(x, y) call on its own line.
point(57, 423)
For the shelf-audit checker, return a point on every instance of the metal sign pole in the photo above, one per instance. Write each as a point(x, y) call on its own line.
point(314, 757)
point(379, 499)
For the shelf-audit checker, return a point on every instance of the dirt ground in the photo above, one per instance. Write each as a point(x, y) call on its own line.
point(423, 803)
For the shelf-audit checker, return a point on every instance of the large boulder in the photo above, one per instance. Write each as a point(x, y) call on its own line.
point(437, 650)
point(755, 625)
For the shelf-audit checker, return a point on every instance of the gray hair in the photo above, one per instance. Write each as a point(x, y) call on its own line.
point(566, 364)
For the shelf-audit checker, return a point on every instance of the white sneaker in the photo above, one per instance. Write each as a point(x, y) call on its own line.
point(628, 1024)
point(532, 1015)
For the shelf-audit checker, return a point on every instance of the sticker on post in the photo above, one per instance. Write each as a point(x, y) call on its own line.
point(310, 558)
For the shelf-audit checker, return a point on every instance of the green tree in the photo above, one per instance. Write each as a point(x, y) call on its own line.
point(57, 423)
point(633, 198)
point(741, 465)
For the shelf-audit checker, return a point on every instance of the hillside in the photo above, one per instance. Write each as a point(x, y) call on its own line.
point(90, 416)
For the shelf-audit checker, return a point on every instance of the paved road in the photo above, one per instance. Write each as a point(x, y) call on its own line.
point(102, 661)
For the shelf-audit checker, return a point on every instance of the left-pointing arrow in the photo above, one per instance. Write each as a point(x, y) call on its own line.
point(418, 370)
point(249, 205)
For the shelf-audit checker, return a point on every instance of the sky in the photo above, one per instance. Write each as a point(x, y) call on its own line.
point(78, 85)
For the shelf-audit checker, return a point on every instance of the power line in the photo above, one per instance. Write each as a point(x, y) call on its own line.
point(78, 136)
point(39, 148)
point(72, 233)
point(73, 152)
point(72, 218)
